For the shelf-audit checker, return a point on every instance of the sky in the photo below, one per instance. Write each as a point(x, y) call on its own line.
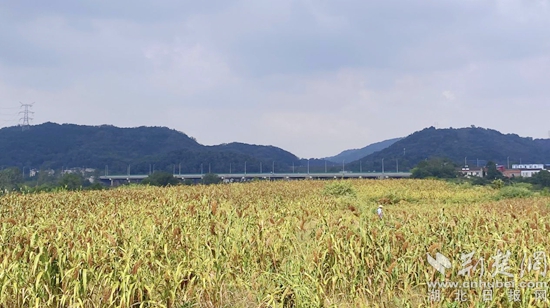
point(312, 77)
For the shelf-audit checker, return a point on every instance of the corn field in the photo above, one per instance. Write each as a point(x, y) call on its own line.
point(269, 244)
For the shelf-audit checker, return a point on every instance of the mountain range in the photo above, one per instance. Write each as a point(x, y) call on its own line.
point(462, 145)
point(139, 149)
point(356, 154)
point(144, 149)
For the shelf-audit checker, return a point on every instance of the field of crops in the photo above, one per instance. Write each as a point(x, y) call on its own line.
point(271, 244)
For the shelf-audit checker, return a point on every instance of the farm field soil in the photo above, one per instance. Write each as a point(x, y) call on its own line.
point(273, 244)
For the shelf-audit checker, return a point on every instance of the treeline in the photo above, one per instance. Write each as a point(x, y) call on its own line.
point(11, 179)
point(139, 150)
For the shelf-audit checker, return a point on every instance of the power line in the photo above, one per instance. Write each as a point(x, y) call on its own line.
point(8, 114)
point(26, 125)
point(7, 121)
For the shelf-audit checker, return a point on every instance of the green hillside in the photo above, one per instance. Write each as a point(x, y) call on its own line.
point(470, 143)
point(56, 146)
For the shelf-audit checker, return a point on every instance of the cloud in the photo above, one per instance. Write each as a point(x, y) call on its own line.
point(314, 77)
point(186, 70)
point(449, 95)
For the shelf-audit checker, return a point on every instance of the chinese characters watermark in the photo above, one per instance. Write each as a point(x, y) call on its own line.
point(474, 270)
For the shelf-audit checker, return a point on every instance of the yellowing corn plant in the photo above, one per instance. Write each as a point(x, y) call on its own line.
point(271, 244)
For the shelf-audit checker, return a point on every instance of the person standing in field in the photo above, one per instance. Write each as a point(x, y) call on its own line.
point(379, 211)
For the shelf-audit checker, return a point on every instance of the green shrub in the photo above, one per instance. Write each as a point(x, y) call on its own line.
point(514, 192)
point(524, 185)
point(211, 178)
point(160, 178)
point(96, 186)
point(497, 184)
point(479, 181)
point(339, 189)
point(545, 192)
point(188, 182)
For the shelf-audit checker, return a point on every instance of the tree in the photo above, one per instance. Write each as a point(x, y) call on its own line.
point(72, 181)
point(435, 167)
point(492, 172)
point(96, 186)
point(541, 178)
point(160, 178)
point(45, 178)
point(188, 182)
point(211, 178)
point(10, 179)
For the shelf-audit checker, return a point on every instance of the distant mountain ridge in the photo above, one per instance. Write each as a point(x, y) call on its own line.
point(470, 143)
point(141, 149)
point(55, 146)
point(355, 154)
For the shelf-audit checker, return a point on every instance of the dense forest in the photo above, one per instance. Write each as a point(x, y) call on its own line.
point(141, 149)
point(459, 145)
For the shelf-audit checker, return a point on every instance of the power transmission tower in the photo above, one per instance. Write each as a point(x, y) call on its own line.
point(26, 125)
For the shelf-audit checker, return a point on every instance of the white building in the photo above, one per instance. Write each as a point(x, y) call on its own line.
point(82, 171)
point(528, 166)
point(527, 173)
point(472, 171)
point(35, 172)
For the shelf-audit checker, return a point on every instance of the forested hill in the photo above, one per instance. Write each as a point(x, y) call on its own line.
point(471, 143)
point(56, 146)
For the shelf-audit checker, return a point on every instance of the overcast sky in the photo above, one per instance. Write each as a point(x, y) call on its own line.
point(314, 77)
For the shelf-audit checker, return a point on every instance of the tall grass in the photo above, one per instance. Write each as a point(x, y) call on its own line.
point(261, 244)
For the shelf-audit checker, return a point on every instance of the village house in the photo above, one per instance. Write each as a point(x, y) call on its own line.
point(523, 170)
point(527, 173)
point(511, 173)
point(528, 166)
point(472, 171)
